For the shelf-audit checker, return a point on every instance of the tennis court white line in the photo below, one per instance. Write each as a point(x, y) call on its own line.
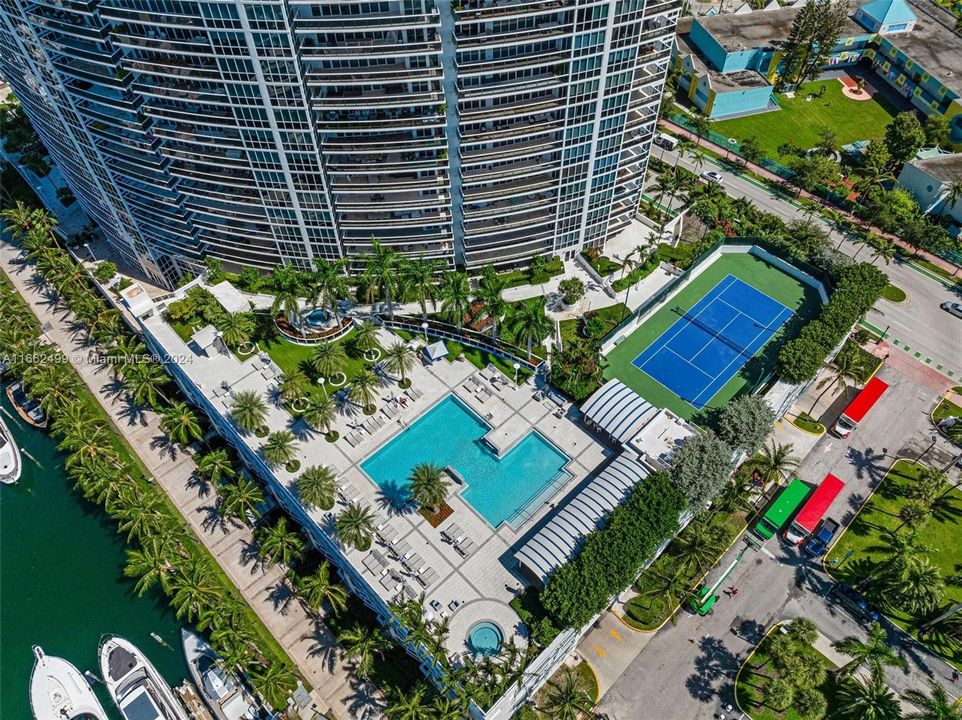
point(687, 362)
point(752, 317)
point(739, 355)
point(715, 337)
point(673, 392)
point(765, 294)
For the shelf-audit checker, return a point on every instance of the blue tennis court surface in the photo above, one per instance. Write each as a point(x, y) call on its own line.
point(708, 344)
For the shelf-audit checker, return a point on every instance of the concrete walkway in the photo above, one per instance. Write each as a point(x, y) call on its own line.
point(306, 639)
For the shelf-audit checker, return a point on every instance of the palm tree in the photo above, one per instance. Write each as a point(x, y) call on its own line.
point(364, 390)
point(698, 546)
point(364, 338)
point(530, 322)
point(280, 448)
point(884, 249)
point(937, 705)
point(181, 423)
point(914, 514)
point(192, 589)
point(215, 465)
point(428, 487)
point(276, 681)
point(248, 410)
point(564, 699)
point(874, 653)
point(419, 277)
point(139, 512)
point(363, 644)
point(443, 708)
point(143, 381)
point(320, 412)
point(411, 705)
point(777, 461)
point(288, 289)
point(329, 284)
point(663, 580)
point(455, 297)
point(317, 486)
point(236, 328)
point(399, 358)
point(916, 587)
point(951, 195)
point(380, 274)
point(281, 544)
point(293, 386)
point(869, 699)
point(240, 499)
point(355, 526)
point(19, 219)
point(328, 359)
point(319, 588)
point(150, 566)
point(490, 294)
point(844, 367)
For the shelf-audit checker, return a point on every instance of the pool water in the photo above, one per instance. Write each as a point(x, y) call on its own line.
point(485, 638)
point(316, 318)
point(450, 435)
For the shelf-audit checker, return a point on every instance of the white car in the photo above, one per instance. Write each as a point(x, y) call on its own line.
point(952, 308)
point(712, 176)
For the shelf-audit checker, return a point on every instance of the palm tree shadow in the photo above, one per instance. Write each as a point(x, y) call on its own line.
point(363, 701)
point(213, 520)
point(869, 464)
point(251, 555)
point(281, 595)
point(196, 481)
point(302, 431)
point(321, 647)
point(392, 505)
point(164, 444)
point(715, 663)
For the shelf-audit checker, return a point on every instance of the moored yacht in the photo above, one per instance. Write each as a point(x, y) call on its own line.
point(136, 687)
point(59, 692)
point(223, 691)
point(27, 408)
point(9, 456)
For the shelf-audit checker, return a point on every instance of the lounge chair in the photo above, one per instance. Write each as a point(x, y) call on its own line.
point(454, 533)
point(466, 548)
point(388, 533)
point(428, 578)
point(348, 493)
point(414, 563)
point(402, 548)
point(389, 411)
point(370, 426)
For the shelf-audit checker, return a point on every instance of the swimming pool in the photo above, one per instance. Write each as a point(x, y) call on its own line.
point(450, 435)
point(484, 638)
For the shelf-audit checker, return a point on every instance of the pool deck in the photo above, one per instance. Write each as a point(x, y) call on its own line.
point(457, 576)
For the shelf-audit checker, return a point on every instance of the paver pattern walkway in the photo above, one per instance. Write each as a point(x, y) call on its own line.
point(307, 640)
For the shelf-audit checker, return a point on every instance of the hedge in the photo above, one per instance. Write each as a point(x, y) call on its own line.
point(856, 291)
point(612, 556)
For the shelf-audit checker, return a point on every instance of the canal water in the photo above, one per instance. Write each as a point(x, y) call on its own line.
point(61, 579)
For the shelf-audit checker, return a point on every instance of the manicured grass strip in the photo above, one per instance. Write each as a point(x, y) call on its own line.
point(864, 539)
point(804, 421)
point(799, 121)
point(893, 293)
point(946, 409)
point(792, 293)
point(290, 358)
point(758, 672)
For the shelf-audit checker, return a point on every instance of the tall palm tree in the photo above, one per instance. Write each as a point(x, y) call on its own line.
point(276, 681)
point(937, 705)
point(355, 526)
point(443, 708)
point(364, 389)
point(181, 423)
point(248, 410)
point(139, 512)
point(319, 588)
point(777, 461)
point(329, 359)
point(236, 328)
point(320, 412)
point(844, 368)
point(412, 705)
point(150, 565)
point(529, 321)
point(143, 381)
point(951, 195)
point(874, 653)
point(329, 285)
point(490, 294)
point(288, 287)
point(869, 699)
point(419, 278)
point(698, 546)
point(280, 447)
point(916, 587)
point(215, 465)
point(399, 359)
point(455, 297)
point(89, 444)
point(884, 249)
point(293, 386)
point(192, 588)
point(19, 219)
point(317, 486)
point(364, 643)
point(241, 498)
point(428, 487)
point(380, 274)
point(281, 544)
point(564, 699)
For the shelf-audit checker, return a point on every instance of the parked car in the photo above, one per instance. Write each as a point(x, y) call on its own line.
point(665, 141)
point(952, 308)
point(818, 543)
point(853, 601)
point(712, 176)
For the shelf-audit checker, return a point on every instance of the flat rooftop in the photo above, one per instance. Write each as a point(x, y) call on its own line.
point(933, 44)
point(945, 168)
point(719, 81)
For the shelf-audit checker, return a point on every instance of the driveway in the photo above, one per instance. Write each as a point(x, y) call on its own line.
point(687, 671)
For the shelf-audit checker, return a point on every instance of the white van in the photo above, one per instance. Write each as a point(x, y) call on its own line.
point(665, 141)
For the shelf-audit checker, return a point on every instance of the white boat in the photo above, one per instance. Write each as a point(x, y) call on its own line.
point(59, 692)
point(223, 692)
point(9, 456)
point(139, 691)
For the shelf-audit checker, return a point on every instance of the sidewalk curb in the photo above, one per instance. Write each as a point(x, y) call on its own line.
point(747, 660)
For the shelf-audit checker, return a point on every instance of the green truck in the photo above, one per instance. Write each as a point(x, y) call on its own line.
point(780, 511)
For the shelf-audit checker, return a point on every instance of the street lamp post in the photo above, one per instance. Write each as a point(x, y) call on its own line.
point(91, 252)
point(321, 381)
point(517, 366)
point(424, 329)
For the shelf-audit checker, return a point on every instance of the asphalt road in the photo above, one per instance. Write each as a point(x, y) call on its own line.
point(687, 671)
point(918, 322)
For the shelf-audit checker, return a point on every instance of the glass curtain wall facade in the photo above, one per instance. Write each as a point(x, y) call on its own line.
point(265, 132)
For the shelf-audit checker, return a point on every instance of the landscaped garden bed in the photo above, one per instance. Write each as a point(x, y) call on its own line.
point(804, 421)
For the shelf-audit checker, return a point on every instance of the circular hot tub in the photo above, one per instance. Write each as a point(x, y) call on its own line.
point(317, 319)
point(485, 638)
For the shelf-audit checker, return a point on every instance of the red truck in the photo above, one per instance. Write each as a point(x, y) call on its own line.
point(813, 510)
point(859, 407)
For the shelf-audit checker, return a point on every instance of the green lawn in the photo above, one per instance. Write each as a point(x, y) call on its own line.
point(785, 289)
point(946, 409)
point(758, 671)
point(799, 121)
point(942, 532)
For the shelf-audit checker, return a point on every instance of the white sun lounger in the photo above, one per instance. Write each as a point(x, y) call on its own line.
point(466, 548)
point(428, 578)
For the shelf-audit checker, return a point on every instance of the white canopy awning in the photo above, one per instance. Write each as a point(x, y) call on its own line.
point(137, 299)
point(229, 297)
point(436, 350)
point(618, 410)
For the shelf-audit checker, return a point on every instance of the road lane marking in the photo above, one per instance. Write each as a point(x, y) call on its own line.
point(767, 552)
point(615, 635)
point(600, 652)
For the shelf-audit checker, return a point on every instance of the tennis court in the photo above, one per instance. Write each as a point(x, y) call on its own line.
point(710, 342)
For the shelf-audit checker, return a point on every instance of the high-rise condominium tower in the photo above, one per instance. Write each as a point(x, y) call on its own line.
point(264, 132)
